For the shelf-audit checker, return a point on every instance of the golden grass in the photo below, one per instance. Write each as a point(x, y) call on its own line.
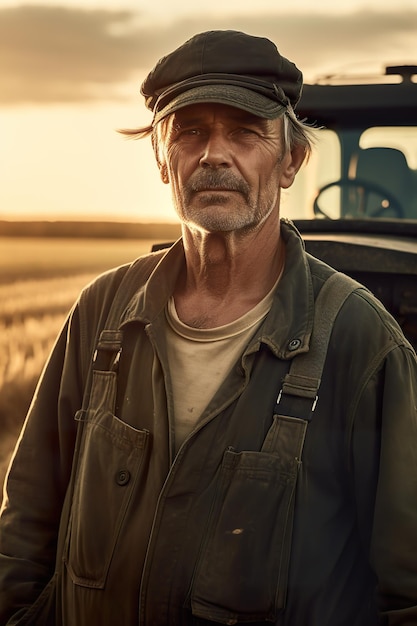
point(42, 257)
point(39, 281)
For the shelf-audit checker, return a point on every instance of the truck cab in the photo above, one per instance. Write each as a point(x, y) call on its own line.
point(356, 201)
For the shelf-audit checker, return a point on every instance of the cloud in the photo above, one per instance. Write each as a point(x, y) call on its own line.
point(52, 54)
point(60, 54)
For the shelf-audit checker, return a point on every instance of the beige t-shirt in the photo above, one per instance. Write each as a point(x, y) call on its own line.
point(200, 358)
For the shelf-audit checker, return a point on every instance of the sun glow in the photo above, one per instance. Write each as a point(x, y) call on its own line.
point(70, 73)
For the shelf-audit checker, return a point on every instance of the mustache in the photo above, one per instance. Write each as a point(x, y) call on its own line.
point(217, 180)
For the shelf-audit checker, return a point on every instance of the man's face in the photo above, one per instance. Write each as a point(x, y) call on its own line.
point(225, 167)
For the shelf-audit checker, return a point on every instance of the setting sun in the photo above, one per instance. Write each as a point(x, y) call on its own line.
point(70, 75)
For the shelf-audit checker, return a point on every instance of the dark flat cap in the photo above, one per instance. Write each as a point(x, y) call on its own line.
point(226, 67)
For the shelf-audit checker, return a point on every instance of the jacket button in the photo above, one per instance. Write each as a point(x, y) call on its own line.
point(294, 344)
point(122, 477)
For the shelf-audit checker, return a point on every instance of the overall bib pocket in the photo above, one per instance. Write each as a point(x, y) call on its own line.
point(241, 575)
point(110, 462)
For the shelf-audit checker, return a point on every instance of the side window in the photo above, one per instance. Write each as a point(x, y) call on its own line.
point(392, 164)
point(323, 167)
point(401, 138)
point(383, 157)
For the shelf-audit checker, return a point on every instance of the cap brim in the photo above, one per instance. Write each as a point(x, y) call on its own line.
point(231, 95)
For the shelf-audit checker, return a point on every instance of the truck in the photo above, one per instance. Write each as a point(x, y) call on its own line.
point(355, 203)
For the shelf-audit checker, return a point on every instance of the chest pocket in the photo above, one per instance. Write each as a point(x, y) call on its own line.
point(110, 461)
point(242, 572)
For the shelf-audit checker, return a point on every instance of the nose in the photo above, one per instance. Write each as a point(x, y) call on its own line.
point(216, 151)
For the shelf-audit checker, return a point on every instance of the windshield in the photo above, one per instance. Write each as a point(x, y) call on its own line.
point(370, 174)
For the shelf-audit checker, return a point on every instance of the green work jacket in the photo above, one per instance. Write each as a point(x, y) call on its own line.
point(132, 533)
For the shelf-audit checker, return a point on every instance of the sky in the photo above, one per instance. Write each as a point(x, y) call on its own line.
point(70, 76)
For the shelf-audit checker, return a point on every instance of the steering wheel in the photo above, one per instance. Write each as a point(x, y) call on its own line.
point(363, 189)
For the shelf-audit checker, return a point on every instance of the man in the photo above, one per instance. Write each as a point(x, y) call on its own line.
point(182, 492)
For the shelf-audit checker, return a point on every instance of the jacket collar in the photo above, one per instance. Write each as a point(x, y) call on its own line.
point(286, 329)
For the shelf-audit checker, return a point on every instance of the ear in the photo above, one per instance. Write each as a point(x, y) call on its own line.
point(163, 171)
point(291, 164)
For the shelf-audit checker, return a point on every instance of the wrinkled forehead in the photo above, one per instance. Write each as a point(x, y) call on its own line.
point(207, 113)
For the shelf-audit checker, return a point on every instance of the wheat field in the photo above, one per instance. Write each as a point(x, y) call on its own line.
point(39, 281)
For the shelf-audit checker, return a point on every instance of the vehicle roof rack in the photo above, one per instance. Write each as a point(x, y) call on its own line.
point(405, 71)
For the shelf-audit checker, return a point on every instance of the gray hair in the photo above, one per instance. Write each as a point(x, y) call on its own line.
point(298, 133)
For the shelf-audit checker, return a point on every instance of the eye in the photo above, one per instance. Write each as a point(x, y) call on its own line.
point(183, 132)
point(247, 131)
point(190, 131)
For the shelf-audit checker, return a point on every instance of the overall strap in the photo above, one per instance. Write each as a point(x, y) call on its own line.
point(106, 358)
point(109, 346)
point(135, 277)
point(299, 392)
